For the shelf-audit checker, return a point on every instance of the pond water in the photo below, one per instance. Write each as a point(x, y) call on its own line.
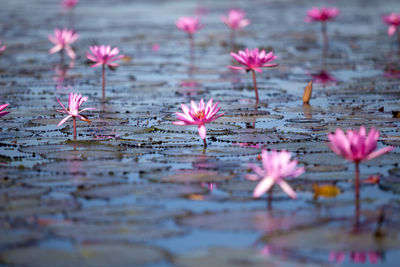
point(136, 190)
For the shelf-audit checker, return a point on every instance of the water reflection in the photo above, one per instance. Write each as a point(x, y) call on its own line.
point(356, 256)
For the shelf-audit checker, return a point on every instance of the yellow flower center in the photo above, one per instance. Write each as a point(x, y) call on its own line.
point(200, 114)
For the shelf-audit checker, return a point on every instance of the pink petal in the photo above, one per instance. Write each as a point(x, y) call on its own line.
point(287, 189)
point(391, 30)
point(378, 153)
point(263, 186)
point(64, 120)
point(202, 131)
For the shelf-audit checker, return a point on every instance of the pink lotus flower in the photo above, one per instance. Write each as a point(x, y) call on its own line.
point(323, 77)
point(198, 115)
point(189, 24)
point(253, 60)
point(323, 14)
point(277, 166)
point(104, 55)
point(236, 19)
point(2, 107)
point(63, 38)
point(356, 146)
point(2, 48)
point(74, 103)
point(68, 4)
point(393, 20)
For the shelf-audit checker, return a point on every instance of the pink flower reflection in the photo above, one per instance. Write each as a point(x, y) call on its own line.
point(209, 185)
point(323, 77)
point(356, 257)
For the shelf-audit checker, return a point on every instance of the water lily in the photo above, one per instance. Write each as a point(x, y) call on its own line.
point(236, 19)
point(2, 107)
point(105, 56)
point(253, 61)
point(199, 115)
point(276, 167)
point(190, 25)
point(393, 20)
point(2, 48)
point(323, 15)
point(356, 146)
point(74, 103)
point(68, 4)
point(62, 39)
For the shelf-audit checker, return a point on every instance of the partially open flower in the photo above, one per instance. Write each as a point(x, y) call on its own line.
point(62, 39)
point(276, 167)
point(236, 19)
point(322, 14)
point(74, 103)
point(2, 107)
point(393, 20)
point(189, 24)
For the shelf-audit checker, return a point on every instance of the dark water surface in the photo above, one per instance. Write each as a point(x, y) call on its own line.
point(136, 190)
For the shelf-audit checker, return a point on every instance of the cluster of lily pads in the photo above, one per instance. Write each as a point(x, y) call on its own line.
point(356, 145)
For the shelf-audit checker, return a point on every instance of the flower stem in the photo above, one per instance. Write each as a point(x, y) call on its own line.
point(255, 85)
point(204, 143)
point(74, 125)
point(325, 36)
point(191, 40)
point(357, 189)
point(270, 198)
point(398, 36)
point(232, 38)
point(104, 81)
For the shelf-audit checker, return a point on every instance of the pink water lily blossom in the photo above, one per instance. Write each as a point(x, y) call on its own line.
point(2, 48)
point(323, 14)
point(74, 103)
point(2, 107)
point(105, 56)
point(189, 25)
point(393, 20)
point(276, 167)
point(68, 4)
point(253, 61)
point(62, 39)
point(356, 146)
point(235, 19)
point(198, 115)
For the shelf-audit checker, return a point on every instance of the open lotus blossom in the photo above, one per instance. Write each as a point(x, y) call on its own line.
point(104, 55)
point(323, 15)
point(74, 103)
point(253, 60)
point(198, 115)
point(276, 167)
point(356, 146)
point(2, 48)
point(236, 19)
point(2, 107)
point(68, 4)
point(62, 39)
